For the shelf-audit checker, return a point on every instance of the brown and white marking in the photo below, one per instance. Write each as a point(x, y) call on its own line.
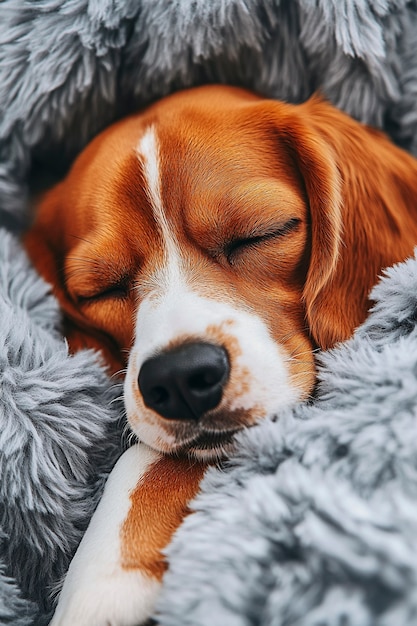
point(178, 306)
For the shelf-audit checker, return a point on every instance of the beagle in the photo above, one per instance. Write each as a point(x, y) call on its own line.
point(207, 246)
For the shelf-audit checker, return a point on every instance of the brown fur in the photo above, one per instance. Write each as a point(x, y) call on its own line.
point(158, 505)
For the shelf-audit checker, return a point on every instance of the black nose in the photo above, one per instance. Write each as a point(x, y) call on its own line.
point(185, 382)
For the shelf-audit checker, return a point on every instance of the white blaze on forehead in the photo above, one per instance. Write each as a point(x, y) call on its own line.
point(147, 151)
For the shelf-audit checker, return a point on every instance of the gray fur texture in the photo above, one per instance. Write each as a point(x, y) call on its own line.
point(59, 437)
point(314, 521)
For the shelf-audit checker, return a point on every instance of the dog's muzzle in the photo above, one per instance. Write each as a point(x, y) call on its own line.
point(185, 382)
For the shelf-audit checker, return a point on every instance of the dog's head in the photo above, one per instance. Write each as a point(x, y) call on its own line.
point(208, 243)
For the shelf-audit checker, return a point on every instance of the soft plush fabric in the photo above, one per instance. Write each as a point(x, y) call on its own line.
point(314, 519)
point(69, 67)
point(60, 434)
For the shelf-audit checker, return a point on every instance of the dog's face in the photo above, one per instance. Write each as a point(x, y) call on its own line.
point(194, 243)
point(219, 337)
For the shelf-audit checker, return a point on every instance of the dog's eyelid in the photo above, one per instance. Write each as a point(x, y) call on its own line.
point(117, 291)
point(260, 236)
point(91, 278)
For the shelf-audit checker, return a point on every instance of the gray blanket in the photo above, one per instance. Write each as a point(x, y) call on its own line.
point(314, 521)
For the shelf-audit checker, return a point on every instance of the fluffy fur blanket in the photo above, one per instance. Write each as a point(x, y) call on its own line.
point(314, 522)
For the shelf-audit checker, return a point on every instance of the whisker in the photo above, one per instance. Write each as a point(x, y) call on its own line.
point(129, 438)
point(302, 361)
point(116, 385)
point(301, 374)
point(293, 356)
point(291, 333)
point(115, 400)
point(120, 388)
point(294, 353)
point(119, 373)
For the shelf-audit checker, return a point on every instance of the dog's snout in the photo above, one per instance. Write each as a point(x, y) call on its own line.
point(186, 382)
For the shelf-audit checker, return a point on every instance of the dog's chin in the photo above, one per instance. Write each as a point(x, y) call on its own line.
point(209, 446)
point(206, 446)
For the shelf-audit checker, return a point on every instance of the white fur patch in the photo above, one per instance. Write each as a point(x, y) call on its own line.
point(97, 591)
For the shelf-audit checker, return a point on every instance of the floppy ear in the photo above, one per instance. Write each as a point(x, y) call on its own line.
point(360, 189)
point(47, 248)
point(315, 161)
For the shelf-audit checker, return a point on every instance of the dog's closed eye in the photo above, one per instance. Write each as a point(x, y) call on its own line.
point(92, 277)
point(241, 244)
point(113, 292)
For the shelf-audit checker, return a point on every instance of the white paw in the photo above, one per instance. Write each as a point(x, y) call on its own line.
point(123, 599)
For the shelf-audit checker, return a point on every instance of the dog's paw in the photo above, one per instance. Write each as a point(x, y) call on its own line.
point(125, 598)
point(99, 589)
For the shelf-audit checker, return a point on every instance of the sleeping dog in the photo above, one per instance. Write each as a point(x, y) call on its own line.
point(209, 244)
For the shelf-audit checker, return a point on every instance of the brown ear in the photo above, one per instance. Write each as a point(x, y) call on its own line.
point(361, 190)
point(47, 248)
point(315, 161)
point(45, 244)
